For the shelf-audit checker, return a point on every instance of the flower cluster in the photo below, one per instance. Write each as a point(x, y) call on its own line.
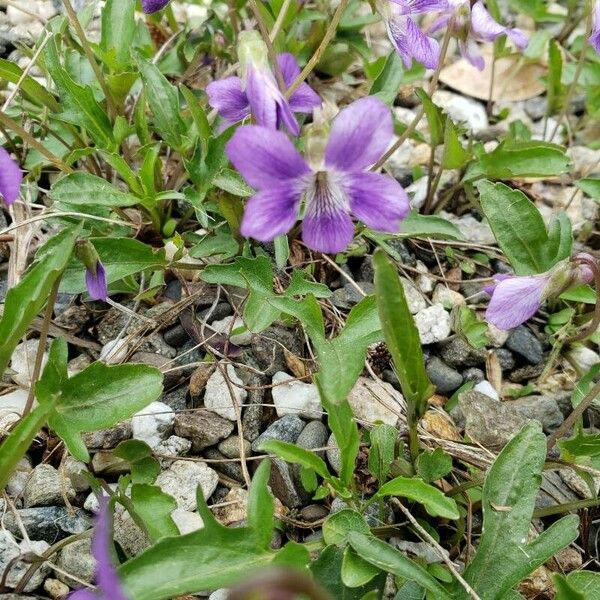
point(335, 187)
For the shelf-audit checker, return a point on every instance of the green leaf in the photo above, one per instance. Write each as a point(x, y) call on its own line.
point(232, 182)
point(381, 454)
point(454, 155)
point(338, 525)
point(401, 334)
point(14, 447)
point(416, 225)
point(143, 466)
point(555, 89)
point(388, 82)
point(80, 108)
point(198, 115)
point(504, 555)
point(436, 503)
point(210, 558)
point(86, 189)
point(327, 569)
point(154, 507)
point(163, 100)
point(295, 454)
point(384, 557)
point(522, 159)
point(356, 572)
point(118, 29)
point(101, 396)
point(120, 256)
point(586, 582)
point(582, 445)
point(433, 465)
point(26, 299)
point(435, 117)
point(590, 186)
point(261, 505)
point(34, 91)
point(519, 229)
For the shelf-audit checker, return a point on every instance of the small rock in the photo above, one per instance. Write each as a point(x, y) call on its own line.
point(505, 359)
point(231, 469)
point(582, 356)
point(541, 408)
point(187, 521)
point(230, 447)
point(424, 282)
point(45, 487)
point(458, 353)
point(438, 423)
point(489, 422)
point(269, 346)
point(525, 344)
point(472, 229)
point(497, 337)
point(566, 560)
point(174, 446)
point(203, 428)
point(334, 454)
point(221, 594)
point(473, 374)
point(434, 324)
point(77, 560)
point(48, 523)
point(199, 378)
point(23, 361)
point(537, 585)
point(176, 336)
point(10, 549)
point(485, 387)
point(421, 550)
point(313, 436)
point(153, 424)
point(234, 509)
point(129, 535)
point(446, 297)
point(75, 470)
point(56, 589)
point(314, 512)
point(11, 409)
point(182, 479)
point(293, 397)
point(375, 400)
point(414, 298)
point(225, 326)
point(526, 373)
point(445, 378)
point(176, 399)
point(283, 485)
point(218, 396)
point(18, 478)
point(106, 463)
point(106, 439)
point(462, 109)
point(286, 429)
point(584, 161)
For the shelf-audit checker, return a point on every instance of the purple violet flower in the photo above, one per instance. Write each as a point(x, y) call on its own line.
point(594, 38)
point(471, 24)
point(261, 97)
point(404, 33)
point(337, 186)
point(11, 177)
point(95, 282)
point(109, 586)
point(152, 6)
point(515, 299)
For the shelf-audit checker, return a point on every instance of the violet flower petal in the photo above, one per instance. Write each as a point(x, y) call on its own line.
point(489, 289)
point(304, 99)
point(267, 104)
point(470, 52)
point(515, 300)
point(272, 212)
point(96, 283)
point(106, 574)
point(11, 177)
point(486, 29)
point(377, 200)
point(424, 49)
point(413, 7)
point(228, 99)
point(152, 6)
point(83, 594)
point(327, 232)
point(360, 134)
point(265, 157)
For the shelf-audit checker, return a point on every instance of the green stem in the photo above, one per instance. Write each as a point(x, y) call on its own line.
point(566, 507)
point(316, 57)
